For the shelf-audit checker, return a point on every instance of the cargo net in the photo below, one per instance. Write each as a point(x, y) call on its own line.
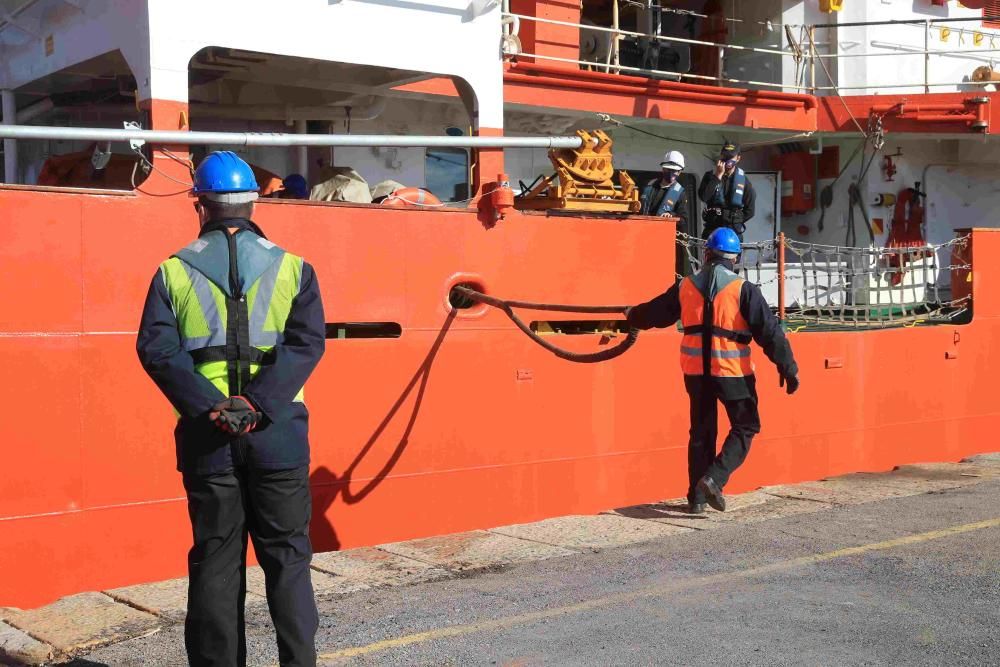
point(839, 287)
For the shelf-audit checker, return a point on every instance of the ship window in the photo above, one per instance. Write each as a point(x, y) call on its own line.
point(341, 330)
point(99, 92)
point(446, 172)
point(579, 327)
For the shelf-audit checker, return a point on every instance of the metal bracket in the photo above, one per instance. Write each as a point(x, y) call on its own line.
point(101, 158)
point(134, 144)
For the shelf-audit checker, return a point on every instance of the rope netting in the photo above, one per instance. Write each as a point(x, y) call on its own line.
point(850, 287)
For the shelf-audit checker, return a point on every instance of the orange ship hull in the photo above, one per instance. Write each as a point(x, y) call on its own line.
point(460, 423)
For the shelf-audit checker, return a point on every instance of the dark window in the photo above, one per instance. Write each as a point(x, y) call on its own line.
point(446, 171)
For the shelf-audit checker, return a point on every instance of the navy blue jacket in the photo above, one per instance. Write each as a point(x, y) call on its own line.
point(706, 193)
point(280, 440)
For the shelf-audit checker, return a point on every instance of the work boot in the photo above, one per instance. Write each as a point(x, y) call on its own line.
point(713, 494)
point(696, 508)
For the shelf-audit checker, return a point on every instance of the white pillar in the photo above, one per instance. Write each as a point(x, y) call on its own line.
point(9, 145)
point(303, 152)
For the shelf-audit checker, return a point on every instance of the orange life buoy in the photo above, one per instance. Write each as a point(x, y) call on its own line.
point(405, 197)
point(906, 232)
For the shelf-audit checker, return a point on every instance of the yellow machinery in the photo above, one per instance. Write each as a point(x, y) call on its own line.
point(582, 181)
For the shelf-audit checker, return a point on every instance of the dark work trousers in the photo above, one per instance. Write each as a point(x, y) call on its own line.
point(274, 506)
point(744, 424)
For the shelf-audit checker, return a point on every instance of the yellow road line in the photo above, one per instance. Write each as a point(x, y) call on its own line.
point(619, 598)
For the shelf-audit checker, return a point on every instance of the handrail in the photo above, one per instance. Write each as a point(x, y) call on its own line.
point(641, 70)
point(808, 56)
point(267, 139)
point(660, 38)
point(865, 24)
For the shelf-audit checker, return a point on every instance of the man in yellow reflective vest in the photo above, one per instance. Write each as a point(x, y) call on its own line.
point(720, 314)
point(231, 330)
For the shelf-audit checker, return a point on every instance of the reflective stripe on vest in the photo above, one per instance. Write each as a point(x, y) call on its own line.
point(729, 351)
point(739, 178)
point(200, 308)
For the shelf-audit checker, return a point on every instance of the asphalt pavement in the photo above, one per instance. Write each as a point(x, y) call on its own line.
point(912, 580)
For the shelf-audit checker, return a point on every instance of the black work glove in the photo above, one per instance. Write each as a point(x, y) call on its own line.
point(792, 381)
point(235, 416)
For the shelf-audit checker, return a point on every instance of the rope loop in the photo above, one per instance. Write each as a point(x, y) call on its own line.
point(577, 357)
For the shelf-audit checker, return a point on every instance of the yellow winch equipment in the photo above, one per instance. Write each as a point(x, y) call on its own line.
point(582, 181)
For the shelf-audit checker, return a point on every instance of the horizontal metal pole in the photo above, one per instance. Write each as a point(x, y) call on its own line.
point(879, 86)
point(659, 38)
point(261, 139)
point(862, 24)
point(640, 70)
point(905, 50)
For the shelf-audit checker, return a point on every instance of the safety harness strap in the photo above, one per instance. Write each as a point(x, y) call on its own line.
point(669, 201)
point(743, 337)
point(218, 353)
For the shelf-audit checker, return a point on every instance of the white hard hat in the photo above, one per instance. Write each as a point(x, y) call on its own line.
point(673, 160)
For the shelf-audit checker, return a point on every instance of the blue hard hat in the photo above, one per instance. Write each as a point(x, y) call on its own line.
point(296, 185)
point(224, 172)
point(724, 240)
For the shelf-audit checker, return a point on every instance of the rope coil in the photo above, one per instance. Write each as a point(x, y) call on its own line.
point(469, 295)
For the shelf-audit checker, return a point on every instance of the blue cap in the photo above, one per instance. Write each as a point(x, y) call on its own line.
point(224, 172)
point(724, 240)
point(296, 186)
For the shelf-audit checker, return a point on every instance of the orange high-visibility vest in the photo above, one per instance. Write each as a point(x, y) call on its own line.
point(729, 354)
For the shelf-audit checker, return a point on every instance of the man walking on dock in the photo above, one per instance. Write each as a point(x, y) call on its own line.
point(232, 328)
point(720, 314)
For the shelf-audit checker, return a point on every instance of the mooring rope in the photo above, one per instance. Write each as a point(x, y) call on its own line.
point(470, 295)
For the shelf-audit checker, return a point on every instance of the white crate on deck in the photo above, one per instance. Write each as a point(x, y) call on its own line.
point(830, 284)
point(807, 284)
point(877, 289)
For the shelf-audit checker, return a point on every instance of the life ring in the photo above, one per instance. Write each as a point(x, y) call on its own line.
point(407, 197)
point(906, 232)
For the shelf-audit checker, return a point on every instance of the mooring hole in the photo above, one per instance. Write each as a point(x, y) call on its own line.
point(579, 327)
point(339, 330)
point(460, 301)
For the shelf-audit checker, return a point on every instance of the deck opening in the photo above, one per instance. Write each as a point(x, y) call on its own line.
point(339, 330)
point(579, 327)
point(459, 301)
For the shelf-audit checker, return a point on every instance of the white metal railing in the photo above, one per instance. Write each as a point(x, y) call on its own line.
point(804, 51)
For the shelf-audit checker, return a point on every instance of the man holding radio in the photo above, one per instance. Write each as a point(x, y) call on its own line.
point(727, 194)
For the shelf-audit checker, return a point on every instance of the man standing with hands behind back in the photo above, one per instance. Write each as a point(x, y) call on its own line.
point(232, 328)
point(727, 194)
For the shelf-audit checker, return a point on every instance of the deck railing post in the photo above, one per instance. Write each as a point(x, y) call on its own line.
point(781, 276)
point(9, 145)
point(812, 60)
point(927, 56)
